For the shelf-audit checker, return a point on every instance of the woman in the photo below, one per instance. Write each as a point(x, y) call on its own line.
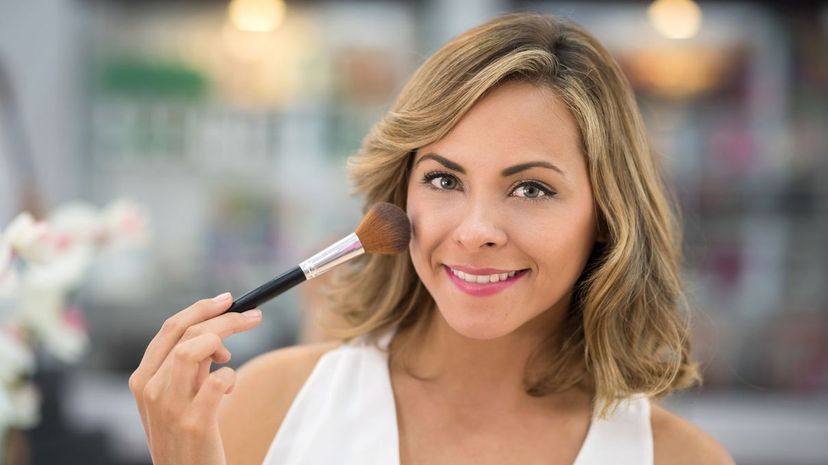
point(533, 319)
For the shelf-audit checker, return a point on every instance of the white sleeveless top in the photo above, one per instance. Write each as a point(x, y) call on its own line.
point(345, 414)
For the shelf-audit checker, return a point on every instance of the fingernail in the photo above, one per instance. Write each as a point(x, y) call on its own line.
point(253, 314)
point(221, 297)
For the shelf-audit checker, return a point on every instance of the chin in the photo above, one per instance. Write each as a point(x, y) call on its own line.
point(479, 326)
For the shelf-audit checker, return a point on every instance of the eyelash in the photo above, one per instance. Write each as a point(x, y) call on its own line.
point(548, 193)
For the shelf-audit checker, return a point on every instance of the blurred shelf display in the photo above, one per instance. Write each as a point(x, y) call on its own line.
point(235, 142)
point(237, 139)
point(248, 133)
point(748, 174)
point(761, 428)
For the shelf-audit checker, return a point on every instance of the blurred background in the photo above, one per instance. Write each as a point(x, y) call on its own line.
point(228, 123)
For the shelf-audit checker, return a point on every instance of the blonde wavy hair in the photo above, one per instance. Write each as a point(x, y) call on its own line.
point(626, 331)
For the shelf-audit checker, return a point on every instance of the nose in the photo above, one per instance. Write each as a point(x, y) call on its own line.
point(480, 227)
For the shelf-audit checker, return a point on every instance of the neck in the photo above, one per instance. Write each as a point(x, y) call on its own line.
point(474, 368)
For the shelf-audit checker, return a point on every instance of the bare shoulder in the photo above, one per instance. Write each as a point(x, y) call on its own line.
point(676, 441)
point(265, 387)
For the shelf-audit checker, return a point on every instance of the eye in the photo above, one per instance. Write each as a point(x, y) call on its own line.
point(533, 191)
point(441, 181)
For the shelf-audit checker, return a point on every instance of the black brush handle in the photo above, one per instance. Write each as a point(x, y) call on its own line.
point(268, 290)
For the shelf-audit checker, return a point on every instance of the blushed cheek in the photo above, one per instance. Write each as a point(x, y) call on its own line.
point(430, 221)
point(416, 246)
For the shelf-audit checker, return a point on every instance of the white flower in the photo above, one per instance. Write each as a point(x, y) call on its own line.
point(8, 275)
point(9, 284)
point(76, 223)
point(16, 358)
point(32, 240)
point(124, 222)
point(42, 311)
point(66, 342)
point(65, 272)
point(53, 257)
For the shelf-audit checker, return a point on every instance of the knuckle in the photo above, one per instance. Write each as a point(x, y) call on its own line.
point(182, 353)
point(224, 355)
point(151, 393)
point(191, 332)
point(171, 325)
point(136, 383)
point(214, 339)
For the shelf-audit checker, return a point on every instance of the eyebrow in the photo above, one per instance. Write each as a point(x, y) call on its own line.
point(505, 172)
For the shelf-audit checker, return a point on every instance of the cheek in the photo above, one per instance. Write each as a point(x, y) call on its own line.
point(431, 221)
point(421, 229)
point(567, 243)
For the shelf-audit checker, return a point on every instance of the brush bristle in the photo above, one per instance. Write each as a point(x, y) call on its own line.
point(385, 229)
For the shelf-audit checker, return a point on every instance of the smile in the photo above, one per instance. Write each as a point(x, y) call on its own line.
point(481, 285)
point(482, 279)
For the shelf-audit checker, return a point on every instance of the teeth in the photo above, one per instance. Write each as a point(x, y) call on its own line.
point(483, 279)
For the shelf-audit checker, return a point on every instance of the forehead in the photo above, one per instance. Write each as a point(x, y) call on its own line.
point(515, 122)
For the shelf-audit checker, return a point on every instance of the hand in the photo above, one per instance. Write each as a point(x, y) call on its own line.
point(177, 395)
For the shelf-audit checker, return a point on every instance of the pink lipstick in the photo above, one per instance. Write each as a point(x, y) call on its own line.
point(482, 289)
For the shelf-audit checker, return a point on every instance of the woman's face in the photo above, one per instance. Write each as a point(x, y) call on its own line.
point(503, 200)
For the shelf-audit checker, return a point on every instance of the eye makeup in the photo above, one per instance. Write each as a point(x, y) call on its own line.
point(545, 191)
point(430, 176)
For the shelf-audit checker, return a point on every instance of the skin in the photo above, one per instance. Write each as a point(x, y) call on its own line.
point(540, 220)
point(176, 394)
point(466, 403)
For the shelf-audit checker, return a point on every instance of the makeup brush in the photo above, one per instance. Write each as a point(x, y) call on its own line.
point(384, 229)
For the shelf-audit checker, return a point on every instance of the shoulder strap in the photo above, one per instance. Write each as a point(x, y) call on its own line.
point(625, 437)
point(344, 414)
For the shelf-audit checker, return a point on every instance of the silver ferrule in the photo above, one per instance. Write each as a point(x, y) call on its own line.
point(342, 251)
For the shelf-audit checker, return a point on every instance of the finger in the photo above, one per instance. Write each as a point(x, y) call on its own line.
point(203, 372)
point(171, 332)
point(221, 356)
point(186, 359)
point(222, 326)
point(205, 404)
point(137, 388)
point(225, 325)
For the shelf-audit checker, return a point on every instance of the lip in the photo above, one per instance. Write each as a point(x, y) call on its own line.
point(478, 271)
point(483, 290)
